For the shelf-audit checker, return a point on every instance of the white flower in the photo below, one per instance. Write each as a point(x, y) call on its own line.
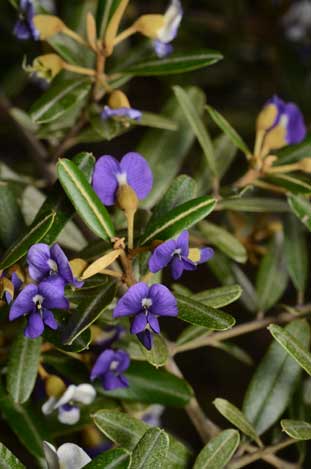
point(172, 19)
point(68, 411)
point(67, 456)
point(297, 20)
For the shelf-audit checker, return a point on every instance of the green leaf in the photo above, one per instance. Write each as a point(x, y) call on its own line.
point(301, 208)
point(182, 189)
point(174, 64)
point(249, 295)
point(167, 156)
point(218, 451)
point(29, 428)
point(224, 241)
point(72, 51)
point(291, 183)
point(88, 311)
point(82, 342)
point(227, 128)
point(197, 126)
point(297, 429)
point(24, 358)
point(84, 199)
point(126, 432)
point(61, 96)
point(11, 221)
point(149, 119)
point(8, 460)
point(294, 153)
point(178, 219)
point(253, 204)
point(237, 418)
point(203, 315)
point(236, 352)
point(147, 384)
point(58, 201)
point(117, 458)
point(22, 244)
point(271, 279)
point(151, 450)
point(295, 252)
point(292, 346)
point(219, 297)
point(274, 381)
point(157, 356)
point(105, 10)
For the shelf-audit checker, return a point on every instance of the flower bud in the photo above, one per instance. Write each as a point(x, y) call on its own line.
point(48, 25)
point(126, 198)
point(118, 99)
point(46, 66)
point(305, 165)
point(54, 386)
point(267, 117)
point(91, 436)
point(150, 25)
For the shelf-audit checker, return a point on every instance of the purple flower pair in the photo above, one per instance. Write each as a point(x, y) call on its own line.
point(109, 175)
point(24, 27)
point(146, 304)
point(176, 254)
point(50, 267)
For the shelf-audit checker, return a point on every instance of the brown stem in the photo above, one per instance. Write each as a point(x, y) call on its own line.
point(248, 459)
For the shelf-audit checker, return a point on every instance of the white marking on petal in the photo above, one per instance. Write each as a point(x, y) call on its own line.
point(146, 302)
point(38, 299)
point(284, 121)
point(121, 178)
point(176, 252)
point(114, 365)
point(53, 266)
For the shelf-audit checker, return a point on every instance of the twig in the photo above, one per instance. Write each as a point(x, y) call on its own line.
point(249, 458)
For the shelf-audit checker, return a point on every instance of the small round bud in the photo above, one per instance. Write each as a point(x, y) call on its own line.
point(54, 386)
point(267, 117)
point(48, 25)
point(118, 99)
point(150, 25)
point(126, 198)
point(91, 436)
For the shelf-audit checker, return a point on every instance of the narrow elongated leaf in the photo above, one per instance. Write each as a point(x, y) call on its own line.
point(182, 189)
point(11, 221)
point(218, 451)
point(237, 418)
point(274, 381)
point(272, 276)
point(219, 297)
point(227, 128)
point(58, 201)
point(253, 204)
point(202, 315)
point(294, 153)
point(197, 126)
point(32, 236)
point(301, 208)
point(84, 199)
point(291, 183)
point(105, 9)
point(148, 119)
point(249, 295)
point(292, 346)
point(8, 460)
point(297, 429)
point(167, 156)
point(147, 384)
point(23, 367)
point(117, 458)
point(88, 311)
point(224, 240)
point(151, 450)
point(28, 427)
point(180, 218)
point(101, 263)
point(126, 432)
point(295, 252)
point(174, 64)
point(59, 98)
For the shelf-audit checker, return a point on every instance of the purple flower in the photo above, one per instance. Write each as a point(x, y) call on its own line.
point(109, 174)
point(168, 32)
point(176, 254)
point(46, 263)
point(36, 301)
point(126, 112)
point(286, 116)
point(24, 27)
point(146, 304)
point(109, 367)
